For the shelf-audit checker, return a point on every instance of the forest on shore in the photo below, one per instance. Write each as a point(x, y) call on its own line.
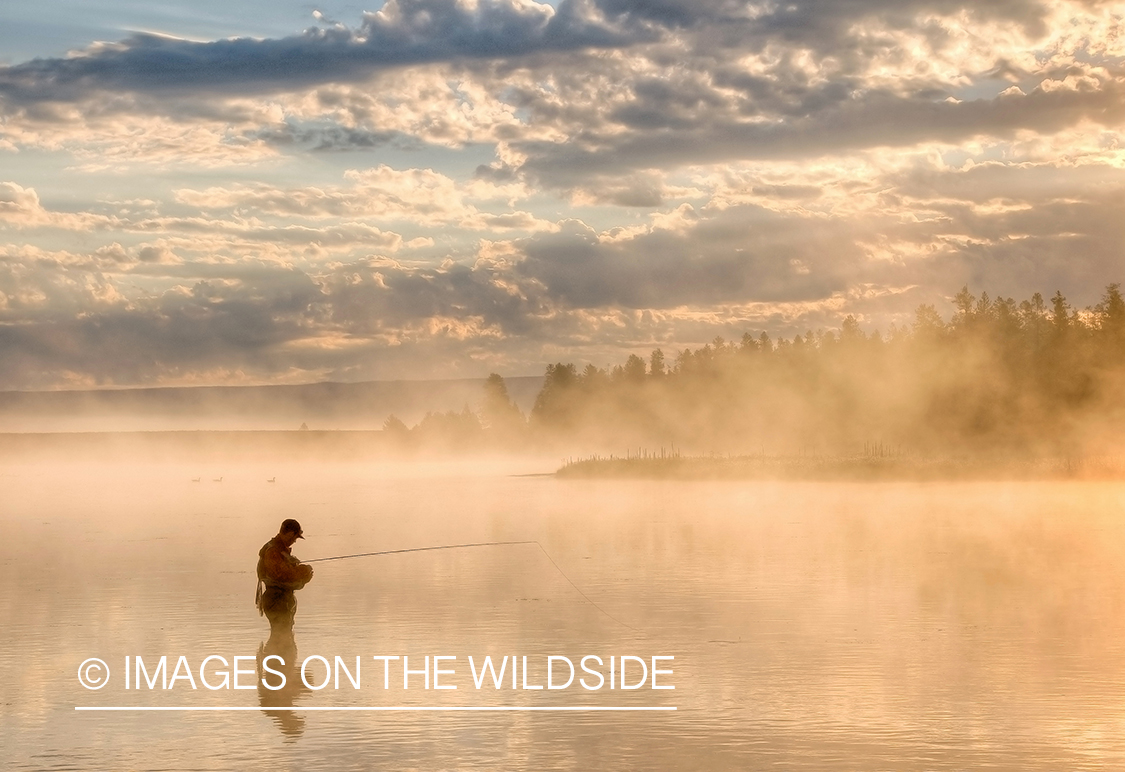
point(1034, 378)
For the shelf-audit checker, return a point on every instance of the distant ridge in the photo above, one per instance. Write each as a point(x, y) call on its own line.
point(326, 405)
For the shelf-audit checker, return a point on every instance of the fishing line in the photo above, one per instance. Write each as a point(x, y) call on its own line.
point(484, 544)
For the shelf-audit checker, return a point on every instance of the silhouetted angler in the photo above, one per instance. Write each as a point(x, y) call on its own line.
point(280, 575)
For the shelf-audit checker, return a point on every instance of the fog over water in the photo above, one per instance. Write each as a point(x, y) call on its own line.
point(814, 626)
point(327, 406)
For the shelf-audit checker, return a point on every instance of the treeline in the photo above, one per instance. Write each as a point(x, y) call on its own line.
point(498, 422)
point(1035, 376)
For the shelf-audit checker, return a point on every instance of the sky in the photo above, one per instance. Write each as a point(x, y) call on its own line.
point(281, 192)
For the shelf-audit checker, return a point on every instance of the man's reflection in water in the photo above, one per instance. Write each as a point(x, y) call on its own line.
point(280, 575)
point(282, 643)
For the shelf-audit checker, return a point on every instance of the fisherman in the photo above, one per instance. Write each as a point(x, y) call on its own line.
point(280, 575)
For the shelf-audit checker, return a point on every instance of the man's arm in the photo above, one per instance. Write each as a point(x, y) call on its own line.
point(286, 571)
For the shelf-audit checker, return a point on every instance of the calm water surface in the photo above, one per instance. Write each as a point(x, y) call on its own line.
point(814, 626)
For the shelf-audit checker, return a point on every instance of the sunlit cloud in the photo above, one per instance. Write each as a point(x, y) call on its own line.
point(447, 187)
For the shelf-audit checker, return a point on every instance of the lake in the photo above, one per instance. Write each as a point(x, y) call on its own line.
point(816, 626)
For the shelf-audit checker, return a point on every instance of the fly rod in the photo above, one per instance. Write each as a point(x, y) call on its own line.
point(482, 544)
point(420, 549)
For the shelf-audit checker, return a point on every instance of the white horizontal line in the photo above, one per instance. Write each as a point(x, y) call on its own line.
point(450, 708)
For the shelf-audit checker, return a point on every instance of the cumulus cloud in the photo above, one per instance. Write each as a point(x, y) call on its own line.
point(20, 205)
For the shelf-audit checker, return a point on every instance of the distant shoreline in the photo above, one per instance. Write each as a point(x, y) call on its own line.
point(842, 468)
point(176, 444)
point(330, 445)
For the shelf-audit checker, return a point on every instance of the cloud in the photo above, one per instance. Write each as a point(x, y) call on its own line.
point(402, 32)
point(591, 89)
point(416, 196)
point(414, 32)
point(57, 324)
point(20, 207)
point(826, 26)
point(744, 254)
point(871, 121)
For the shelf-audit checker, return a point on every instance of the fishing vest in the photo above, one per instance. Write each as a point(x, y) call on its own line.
point(263, 579)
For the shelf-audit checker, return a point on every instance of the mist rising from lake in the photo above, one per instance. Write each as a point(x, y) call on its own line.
point(814, 626)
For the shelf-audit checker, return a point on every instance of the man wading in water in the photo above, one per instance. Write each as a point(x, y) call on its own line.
point(279, 576)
